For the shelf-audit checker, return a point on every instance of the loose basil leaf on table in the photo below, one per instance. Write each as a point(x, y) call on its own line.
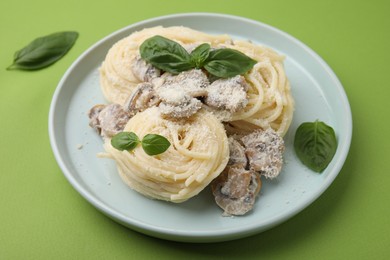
point(154, 144)
point(165, 54)
point(315, 144)
point(227, 63)
point(44, 51)
point(125, 141)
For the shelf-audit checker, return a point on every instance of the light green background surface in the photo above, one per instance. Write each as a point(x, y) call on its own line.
point(43, 217)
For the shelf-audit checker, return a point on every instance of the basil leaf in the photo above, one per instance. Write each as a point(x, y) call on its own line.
point(44, 51)
point(165, 54)
point(226, 63)
point(315, 144)
point(155, 144)
point(199, 55)
point(151, 143)
point(170, 56)
point(125, 141)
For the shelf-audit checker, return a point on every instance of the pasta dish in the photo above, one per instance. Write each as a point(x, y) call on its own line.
point(225, 132)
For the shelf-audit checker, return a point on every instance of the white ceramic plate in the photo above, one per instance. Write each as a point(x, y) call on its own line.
point(318, 95)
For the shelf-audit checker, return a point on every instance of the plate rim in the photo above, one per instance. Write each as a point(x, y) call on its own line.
point(201, 236)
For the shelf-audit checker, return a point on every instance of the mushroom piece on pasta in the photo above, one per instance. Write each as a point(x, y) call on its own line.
point(110, 120)
point(264, 150)
point(182, 110)
point(237, 155)
point(235, 190)
point(229, 94)
point(142, 98)
point(176, 102)
point(93, 115)
point(194, 82)
point(144, 71)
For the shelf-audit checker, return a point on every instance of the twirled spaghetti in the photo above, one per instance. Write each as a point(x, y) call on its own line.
point(116, 78)
point(198, 154)
point(270, 101)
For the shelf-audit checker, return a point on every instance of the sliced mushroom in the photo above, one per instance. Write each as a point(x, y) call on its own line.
point(183, 110)
point(194, 82)
point(238, 128)
point(144, 71)
point(235, 190)
point(264, 150)
point(229, 94)
point(93, 115)
point(176, 102)
point(173, 94)
point(237, 155)
point(143, 97)
point(112, 119)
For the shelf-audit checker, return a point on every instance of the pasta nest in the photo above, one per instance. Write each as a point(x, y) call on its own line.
point(198, 153)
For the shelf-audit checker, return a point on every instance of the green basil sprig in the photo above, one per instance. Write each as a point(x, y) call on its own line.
point(315, 144)
point(170, 56)
point(44, 51)
point(152, 144)
point(199, 55)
